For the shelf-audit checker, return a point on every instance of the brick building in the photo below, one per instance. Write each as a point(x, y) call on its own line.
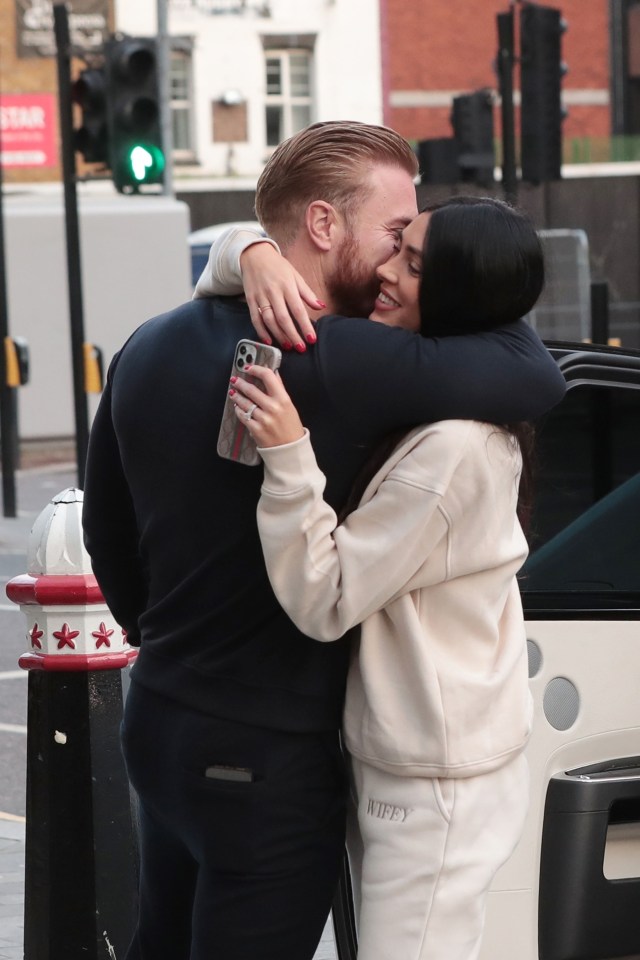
point(246, 74)
point(28, 82)
point(435, 49)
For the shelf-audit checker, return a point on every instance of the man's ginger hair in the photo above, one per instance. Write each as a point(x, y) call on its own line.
point(328, 161)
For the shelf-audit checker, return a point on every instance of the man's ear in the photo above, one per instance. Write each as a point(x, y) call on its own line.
point(322, 223)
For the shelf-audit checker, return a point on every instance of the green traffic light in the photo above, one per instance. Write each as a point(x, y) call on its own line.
point(146, 163)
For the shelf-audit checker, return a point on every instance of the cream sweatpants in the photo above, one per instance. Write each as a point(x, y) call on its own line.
point(425, 857)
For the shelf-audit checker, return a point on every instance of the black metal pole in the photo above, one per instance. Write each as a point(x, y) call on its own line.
point(506, 59)
point(8, 425)
point(76, 312)
point(80, 872)
point(600, 311)
point(81, 862)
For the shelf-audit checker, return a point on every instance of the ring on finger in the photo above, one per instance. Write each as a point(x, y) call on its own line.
point(265, 306)
point(249, 413)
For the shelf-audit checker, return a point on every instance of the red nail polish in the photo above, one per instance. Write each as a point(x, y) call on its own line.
point(267, 341)
point(311, 338)
point(300, 347)
point(321, 303)
point(287, 346)
point(231, 393)
point(233, 379)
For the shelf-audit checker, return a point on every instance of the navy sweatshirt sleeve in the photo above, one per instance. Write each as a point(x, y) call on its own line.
point(111, 538)
point(167, 387)
point(380, 379)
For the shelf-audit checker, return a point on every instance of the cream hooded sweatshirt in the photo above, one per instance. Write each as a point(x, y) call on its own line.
point(438, 686)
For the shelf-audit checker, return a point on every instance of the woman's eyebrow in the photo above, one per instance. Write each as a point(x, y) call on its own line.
point(415, 251)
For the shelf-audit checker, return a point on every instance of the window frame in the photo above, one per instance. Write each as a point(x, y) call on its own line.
point(180, 53)
point(591, 366)
point(286, 101)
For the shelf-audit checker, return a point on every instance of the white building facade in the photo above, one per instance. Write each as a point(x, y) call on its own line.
point(247, 74)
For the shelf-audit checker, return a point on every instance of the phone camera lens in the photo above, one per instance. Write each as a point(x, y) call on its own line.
point(242, 350)
point(240, 363)
point(250, 358)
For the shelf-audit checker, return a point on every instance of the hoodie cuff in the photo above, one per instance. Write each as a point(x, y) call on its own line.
point(290, 467)
point(236, 244)
point(222, 275)
point(246, 238)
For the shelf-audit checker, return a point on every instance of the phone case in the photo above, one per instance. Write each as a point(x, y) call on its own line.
point(234, 440)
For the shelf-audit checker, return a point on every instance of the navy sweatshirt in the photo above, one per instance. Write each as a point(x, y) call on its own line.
point(171, 527)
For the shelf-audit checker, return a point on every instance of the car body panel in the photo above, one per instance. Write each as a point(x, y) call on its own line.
point(558, 897)
point(594, 657)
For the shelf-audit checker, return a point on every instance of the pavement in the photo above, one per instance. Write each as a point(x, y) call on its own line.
point(14, 534)
point(12, 861)
point(53, 460)
point(11, 888)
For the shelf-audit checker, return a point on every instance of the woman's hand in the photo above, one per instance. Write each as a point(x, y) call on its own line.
point(277, 294)
point(273, 419)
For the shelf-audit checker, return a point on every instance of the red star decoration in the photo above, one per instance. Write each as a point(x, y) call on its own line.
point(102, 636)
point(66, 636)
point(35, 635)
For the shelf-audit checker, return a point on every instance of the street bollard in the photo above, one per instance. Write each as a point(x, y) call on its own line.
point(81, 864)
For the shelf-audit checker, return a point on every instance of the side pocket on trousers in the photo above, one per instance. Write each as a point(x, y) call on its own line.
point(444, 791)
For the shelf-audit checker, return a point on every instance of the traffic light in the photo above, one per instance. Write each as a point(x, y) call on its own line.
point(136, 154)
point(472, 121)
point(541, 72)
point(91, 137)
point(438, 160)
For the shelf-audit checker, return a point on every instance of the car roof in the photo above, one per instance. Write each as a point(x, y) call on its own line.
point(206, 235)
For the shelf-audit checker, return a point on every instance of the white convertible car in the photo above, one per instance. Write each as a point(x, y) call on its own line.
point(571, 890)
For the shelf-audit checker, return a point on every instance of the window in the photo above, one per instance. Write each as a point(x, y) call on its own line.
point(624, 54)
point(181, 115)
point(585, 536)
point(288, 84)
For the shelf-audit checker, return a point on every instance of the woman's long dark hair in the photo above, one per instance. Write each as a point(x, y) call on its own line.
point(482, 267)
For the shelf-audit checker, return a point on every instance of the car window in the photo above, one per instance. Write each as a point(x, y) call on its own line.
point(585, 532)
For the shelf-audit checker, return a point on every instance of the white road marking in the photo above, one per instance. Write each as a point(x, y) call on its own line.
point(12, 728)
point(12, 816)
point(13, 674)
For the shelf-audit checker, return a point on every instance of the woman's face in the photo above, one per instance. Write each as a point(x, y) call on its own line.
point(397, 301)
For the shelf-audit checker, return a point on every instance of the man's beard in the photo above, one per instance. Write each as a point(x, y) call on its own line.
point(354, 286)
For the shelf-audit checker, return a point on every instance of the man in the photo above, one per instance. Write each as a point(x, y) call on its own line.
point(231, 724)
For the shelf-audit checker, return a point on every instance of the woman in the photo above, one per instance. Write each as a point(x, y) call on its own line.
point(437, 709)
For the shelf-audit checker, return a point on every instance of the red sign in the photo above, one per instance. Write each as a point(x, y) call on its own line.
point(28, 130)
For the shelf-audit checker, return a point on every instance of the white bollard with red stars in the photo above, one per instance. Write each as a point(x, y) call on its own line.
point(80, 871)
point(69, 625)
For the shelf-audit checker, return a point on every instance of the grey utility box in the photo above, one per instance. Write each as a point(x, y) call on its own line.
point(563, 312)
point(135, 264)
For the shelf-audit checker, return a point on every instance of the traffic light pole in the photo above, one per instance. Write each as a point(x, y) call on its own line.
point(8, 429)
point(506, 60)
point(164, 67)
point(76, 311)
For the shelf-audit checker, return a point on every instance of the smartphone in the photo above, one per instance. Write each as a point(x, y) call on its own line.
point(234, 440)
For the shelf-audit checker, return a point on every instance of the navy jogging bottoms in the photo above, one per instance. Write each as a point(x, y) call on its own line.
point(241, 834)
